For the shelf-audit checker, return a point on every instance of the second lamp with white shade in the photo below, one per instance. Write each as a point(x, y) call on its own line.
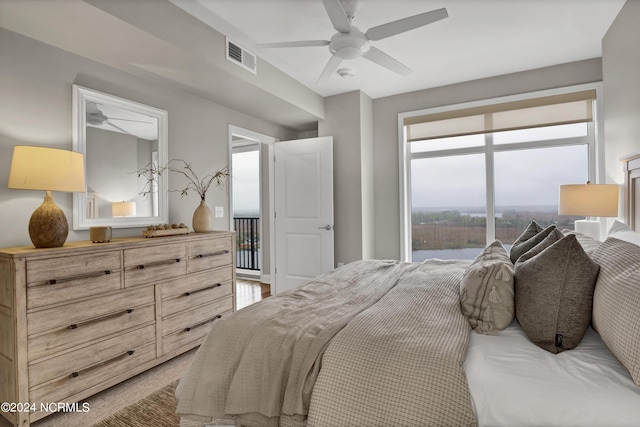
point(589, 200)
point(120, 209)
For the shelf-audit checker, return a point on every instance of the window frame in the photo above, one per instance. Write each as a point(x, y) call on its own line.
point(593, 139)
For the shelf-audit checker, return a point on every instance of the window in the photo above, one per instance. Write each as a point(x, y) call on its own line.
point(499, 160)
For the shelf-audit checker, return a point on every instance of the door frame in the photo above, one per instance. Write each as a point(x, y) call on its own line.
point(262, 140)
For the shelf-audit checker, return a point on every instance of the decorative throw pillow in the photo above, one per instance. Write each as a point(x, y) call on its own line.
point(530, 238)
point(554, 293)
point(486, 290)
point(589, 244)
point(622, 231)
point(616, 301)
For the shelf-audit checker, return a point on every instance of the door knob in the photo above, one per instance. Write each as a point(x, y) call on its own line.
point(326, 227)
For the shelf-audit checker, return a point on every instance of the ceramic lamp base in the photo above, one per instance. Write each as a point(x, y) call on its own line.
point(48, 226)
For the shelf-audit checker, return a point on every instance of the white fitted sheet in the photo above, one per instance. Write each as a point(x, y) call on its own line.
point(515, 383)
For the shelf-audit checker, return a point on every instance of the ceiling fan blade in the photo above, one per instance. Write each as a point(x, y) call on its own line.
point(119, 128)
point(381, 58)
point(337, 15)
point(129, 120)
point(330, 68)
point(405, 24)
point(302, 43)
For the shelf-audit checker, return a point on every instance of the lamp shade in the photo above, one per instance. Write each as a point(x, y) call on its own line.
point(589, 199)
point(123, 209)
point(49, 169)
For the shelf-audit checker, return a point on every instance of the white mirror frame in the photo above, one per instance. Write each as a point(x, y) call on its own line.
point(81, 95)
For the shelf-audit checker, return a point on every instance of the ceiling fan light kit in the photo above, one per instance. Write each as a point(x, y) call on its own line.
point(349, 46)
point(351, 43)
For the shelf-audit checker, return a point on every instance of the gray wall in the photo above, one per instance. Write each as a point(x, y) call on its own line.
point(385, 130)
point(35, 83)
point(348, 118)
point(621, 73)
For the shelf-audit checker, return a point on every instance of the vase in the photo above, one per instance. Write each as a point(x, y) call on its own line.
point(202, 218)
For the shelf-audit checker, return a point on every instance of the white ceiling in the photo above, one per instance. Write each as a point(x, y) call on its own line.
point(480, 38)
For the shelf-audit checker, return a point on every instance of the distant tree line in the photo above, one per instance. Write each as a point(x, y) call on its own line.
point(454, 230)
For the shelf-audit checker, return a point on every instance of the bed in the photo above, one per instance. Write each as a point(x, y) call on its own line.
point(547, 334)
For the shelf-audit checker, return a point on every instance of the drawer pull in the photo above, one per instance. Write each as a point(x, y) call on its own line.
point(217, 285)
point(100, 319)
point(197, 325)
point(154, 264)
point(212, 254)
point(106, 362)
point(80, 276)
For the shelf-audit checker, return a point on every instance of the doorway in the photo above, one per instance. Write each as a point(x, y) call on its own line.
point(246, 202)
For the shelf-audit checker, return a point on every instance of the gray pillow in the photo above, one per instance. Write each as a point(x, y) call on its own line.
point(486, 290)
point(616, 301)
point(554, 293)
point(589, 244)
point(531, 238)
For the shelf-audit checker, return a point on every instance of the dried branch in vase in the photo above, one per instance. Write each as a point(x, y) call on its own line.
point(151, 172)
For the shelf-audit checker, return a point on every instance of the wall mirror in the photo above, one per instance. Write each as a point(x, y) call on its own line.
point(118, 137)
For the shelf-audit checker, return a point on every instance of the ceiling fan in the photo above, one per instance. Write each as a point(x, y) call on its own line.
point(96, 117)
point(350, 43)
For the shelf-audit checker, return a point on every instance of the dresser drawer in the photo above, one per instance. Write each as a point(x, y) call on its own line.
point(112, 365)
point(209, 253)
point(56, 280)
point(197, 317)
point(195, 289)
point(64, 327)
point(189, 337)
point(145, 265)
point(190, 299)
point(83, 360)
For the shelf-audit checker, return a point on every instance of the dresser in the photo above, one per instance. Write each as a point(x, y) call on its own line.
point(81, 318)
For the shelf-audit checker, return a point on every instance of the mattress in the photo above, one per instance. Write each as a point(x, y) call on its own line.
point(515, 383)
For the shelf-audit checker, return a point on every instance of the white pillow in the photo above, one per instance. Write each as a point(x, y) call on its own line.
point(486, 290)
point(622, 231)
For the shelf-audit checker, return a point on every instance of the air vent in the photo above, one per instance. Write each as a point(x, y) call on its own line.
point(240, 56)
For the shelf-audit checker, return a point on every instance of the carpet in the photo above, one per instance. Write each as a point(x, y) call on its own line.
point(156, 410)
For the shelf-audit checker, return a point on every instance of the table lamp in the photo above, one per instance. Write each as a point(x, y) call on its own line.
point(590, 200)
point(123, 208)
point(48, 169)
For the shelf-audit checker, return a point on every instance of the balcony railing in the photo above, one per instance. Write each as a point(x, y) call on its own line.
point(247, 242)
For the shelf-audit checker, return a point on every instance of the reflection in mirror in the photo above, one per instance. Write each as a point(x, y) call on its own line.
point(118, 137)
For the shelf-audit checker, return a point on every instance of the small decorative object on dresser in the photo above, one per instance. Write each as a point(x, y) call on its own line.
point(165, 230)
point(100, 234)
point(79, 319)
point(202, 218)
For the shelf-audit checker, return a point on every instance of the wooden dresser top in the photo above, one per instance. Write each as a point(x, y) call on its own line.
point(119, 243)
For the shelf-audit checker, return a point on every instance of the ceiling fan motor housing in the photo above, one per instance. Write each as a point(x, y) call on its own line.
point(349, 45)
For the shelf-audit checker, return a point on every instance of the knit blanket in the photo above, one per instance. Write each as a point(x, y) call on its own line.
point(338, 351)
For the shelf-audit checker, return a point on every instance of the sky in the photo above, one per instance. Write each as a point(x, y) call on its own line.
point(528, 177)
point(246, 182)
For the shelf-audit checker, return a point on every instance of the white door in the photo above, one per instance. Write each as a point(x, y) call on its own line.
point(303, 196)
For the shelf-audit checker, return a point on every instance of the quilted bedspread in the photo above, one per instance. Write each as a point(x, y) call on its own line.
point(374, 343)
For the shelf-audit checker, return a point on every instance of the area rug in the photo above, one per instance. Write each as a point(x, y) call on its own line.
point(155, 410)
